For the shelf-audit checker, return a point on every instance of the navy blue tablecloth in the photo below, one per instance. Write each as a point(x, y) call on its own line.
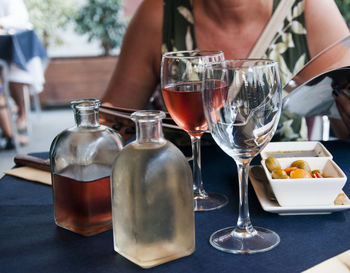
point(31, 242)
point(20, 47)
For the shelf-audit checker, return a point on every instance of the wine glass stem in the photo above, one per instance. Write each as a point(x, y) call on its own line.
point(198, 189)
point(244, 224)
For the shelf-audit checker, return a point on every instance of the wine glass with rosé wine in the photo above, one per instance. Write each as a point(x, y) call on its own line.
point(242, 105)
point(181, 83)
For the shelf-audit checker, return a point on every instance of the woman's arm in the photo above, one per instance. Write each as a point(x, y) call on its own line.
point(324, 24)
point(137, 71)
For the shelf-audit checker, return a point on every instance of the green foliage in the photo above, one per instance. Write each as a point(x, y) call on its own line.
point(48, 16)
point(344, 7)
point(101, 20)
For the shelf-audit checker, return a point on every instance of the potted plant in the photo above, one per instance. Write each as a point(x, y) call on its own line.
point(48, 16)
point(70, 78)
point(101, 20)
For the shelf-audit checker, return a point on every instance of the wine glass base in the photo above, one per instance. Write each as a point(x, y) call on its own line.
point(211, 201)
point(260, 240)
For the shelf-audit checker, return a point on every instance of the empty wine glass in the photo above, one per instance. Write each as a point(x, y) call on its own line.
point(242, 105)
point(181, 82)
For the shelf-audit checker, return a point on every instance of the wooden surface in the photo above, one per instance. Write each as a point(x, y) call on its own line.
point(68, 79)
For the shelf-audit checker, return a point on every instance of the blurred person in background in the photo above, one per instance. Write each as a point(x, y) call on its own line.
point(7, 140)
point(14, 16)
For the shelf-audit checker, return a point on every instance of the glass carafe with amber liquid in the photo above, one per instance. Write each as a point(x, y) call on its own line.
point(152, 197)
point(81, 158)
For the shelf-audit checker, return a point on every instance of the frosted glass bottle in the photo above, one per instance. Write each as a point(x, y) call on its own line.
point(81, 160)
point(152, 197)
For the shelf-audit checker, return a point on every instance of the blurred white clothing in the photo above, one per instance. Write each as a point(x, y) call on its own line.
point(14, 14)
point(33, 76)
point(14, 17)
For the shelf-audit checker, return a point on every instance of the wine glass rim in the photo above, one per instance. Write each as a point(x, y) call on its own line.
point(230, 63)
point(177, 54)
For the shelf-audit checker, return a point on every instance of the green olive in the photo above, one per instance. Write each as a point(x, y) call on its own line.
point(301, 164)
point(272, 163)
point(279, 174)
point(316, 171)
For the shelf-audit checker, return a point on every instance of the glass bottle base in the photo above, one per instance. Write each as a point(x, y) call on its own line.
point(259, 240)
point(148, 263)
point(211, 201)
point(87, 230)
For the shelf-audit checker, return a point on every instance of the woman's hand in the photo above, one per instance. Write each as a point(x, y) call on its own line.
point(342, 100)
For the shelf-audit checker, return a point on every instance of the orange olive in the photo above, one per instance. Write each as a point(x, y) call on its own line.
point(288, 170)
point(300, 173)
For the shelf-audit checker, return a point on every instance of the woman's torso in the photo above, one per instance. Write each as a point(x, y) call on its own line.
point(289, 46)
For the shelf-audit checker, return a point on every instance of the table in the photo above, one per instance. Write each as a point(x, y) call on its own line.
point(31, 242)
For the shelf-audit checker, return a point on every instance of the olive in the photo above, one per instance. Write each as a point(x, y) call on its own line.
point(300, 173)
point(301, 164)
point(316, 174)
point(272, 163)
point(316, 171)
point(279, 174)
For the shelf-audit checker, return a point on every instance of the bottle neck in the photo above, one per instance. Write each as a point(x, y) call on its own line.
point(149, 132)
point(86, 112)
point(148, 126)
point(87, 118)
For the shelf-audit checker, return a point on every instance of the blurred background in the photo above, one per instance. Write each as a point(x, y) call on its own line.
point(82, 39)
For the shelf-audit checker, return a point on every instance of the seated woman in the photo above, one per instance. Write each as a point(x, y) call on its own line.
point(14, 16)
point(5, 126)
point(233, 26)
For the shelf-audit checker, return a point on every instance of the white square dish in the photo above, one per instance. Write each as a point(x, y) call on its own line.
point(308, 191)
point(295, 149)
point(268, 203)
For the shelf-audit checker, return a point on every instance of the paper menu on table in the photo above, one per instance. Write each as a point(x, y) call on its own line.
point(31, 174)
point(338, 264)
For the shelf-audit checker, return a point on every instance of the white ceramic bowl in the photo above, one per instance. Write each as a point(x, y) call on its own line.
point(308, 191)
point(295, 149)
